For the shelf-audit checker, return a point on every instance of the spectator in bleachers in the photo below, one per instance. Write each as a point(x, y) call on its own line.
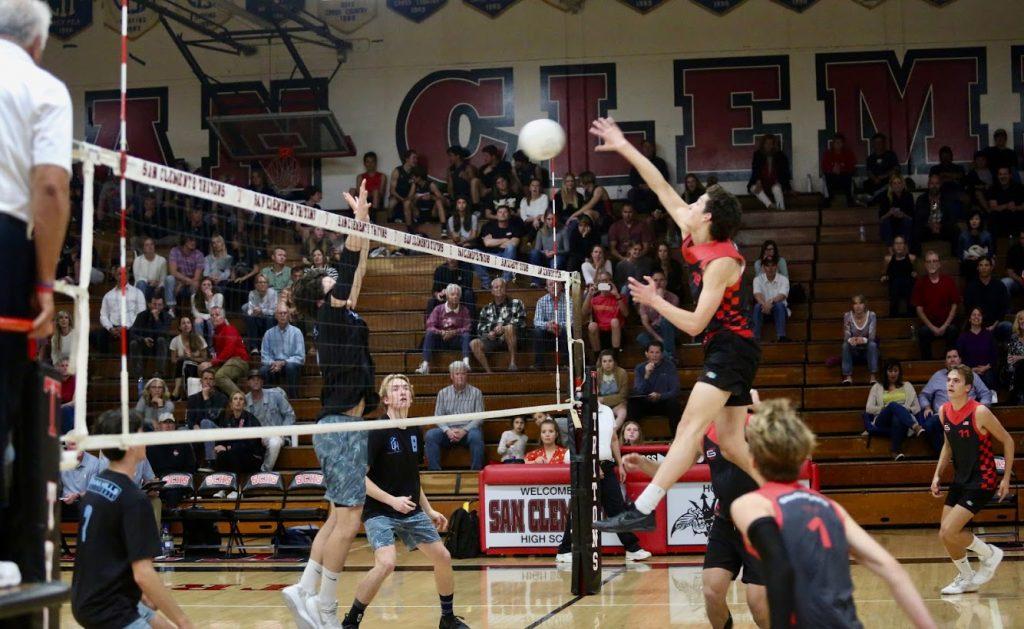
point(626, 232)
point(562, 422)
point(452, 272)
point(207, 404)
point(171, 458)
point(271, 407)
point(999, 155)
point(316, 240)
point(203, 301)
point(229, 355)
point(197, 227)
point(527, 171)
point(674, 279)
point(544, 252)
point(859, 340)
point(277, 273)
point(769, 249)
point(401, 190)
point(900, 276)
point(502, 196)
point(150, 270)
point(546, 326)
point(464, 224)
point(1014, 282)
point(635, 266)
point(73, 484)
point(597, 204)
point(607, 309)
point(597, 262)
point(951, 173)
point(881, 165)
point(501, 238)
point(283, 352)
point(256, 312)
point(533, 206)
point(1005, 204)
point(376, 181)
point(63, 342)
point(246, 255)
point(612, 386)
point(512, 445)
point(769, 173)
point(935, 213)
point(426, 202)
point(978, 180)
point(693, 189)
point(657, 327)
point(640, 194)
point(631, 434)
point(188, 351)
point(973, 244)
point(977, 348)
point(568, 199)
point(218, 264)
point(500, 326)
point(838, 164)
point(990, 296)
point(549, 452)
point(494, 166)
point(1014, 354)
point(149, 336)
point(935, 298)
point(771, 290)
point(153, 402)
point(896, 211)
point(892, 409)
point(448, 327)
point(150, 221)
point(460, 175)
point(655, 388)
point(318, 263)
point(185, 265)
point(458, 398)
point(67, 396)
point(934, 394)
point(241, 456)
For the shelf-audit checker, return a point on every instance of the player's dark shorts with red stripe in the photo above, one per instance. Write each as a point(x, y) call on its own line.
point(973, 499)
point(726, 551)
point(730, 364)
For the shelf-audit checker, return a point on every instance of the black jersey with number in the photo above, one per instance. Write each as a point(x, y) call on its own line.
point(394, 456)
point(973, 460)
point(728, 479)
point(814, 536)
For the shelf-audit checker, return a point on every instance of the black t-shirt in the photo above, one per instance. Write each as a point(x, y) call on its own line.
point(955, 171)
point(494, 230)
point(343, 346)
point(1014, 193)
point(197, 409)
point(116, 528)
point(1015, 258)
point(882, 165)
point(1000, 157)
point(991, 298)
point(394, 456)
point(501, 168)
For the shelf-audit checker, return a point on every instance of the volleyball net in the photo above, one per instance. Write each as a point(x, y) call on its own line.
point(240, 250)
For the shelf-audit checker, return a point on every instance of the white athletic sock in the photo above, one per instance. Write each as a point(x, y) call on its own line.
point(310, 580)
point(328, 589)
point(763, 198)
point(649, 499)
point(964, 566)
point(980, 548)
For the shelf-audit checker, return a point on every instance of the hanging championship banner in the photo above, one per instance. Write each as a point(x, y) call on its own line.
point(569, 6)
point(257, 8)
point(70, 17)
point(348, 16)
point(643, 6)
point(210, 10)
point(416, 10)
point(719, 7)
point(140, 19)
point(797, 5)
point(493, 8)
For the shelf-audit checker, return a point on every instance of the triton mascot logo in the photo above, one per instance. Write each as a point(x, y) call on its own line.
point(698, 517)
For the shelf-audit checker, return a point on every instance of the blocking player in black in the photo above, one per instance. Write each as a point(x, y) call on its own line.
point(117, 541)
point(969, 428)
point(803, 539)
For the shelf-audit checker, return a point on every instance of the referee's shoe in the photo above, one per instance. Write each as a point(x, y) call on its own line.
point(629, 521)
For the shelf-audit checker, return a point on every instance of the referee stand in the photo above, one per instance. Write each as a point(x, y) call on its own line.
point(585, 490)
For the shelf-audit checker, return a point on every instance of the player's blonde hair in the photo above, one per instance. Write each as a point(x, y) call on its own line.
point(382, 392)
point(779, 441)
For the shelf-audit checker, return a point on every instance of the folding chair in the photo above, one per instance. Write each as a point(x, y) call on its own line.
point(179, 482)
point(213, 483)
point(261, 484)
point(1008, 512)
point(311, 485)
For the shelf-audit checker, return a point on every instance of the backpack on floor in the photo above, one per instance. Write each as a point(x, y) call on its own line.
point(201, 533)
point(463, 533)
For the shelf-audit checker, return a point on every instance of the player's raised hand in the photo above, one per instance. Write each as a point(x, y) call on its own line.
point(643, 293)
point(360, 206)
point(612, 138)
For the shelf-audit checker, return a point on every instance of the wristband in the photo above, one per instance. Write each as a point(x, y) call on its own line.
point(44, 287)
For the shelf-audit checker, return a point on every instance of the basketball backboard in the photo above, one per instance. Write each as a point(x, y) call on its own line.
point(302, 134)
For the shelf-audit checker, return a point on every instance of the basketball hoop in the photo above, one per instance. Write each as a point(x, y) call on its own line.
point(284, 171)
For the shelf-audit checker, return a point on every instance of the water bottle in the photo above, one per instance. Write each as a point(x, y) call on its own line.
point(166, 541)
point(863, 235)
point(138, 387)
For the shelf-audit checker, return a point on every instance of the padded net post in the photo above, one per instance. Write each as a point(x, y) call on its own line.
point(586, 496)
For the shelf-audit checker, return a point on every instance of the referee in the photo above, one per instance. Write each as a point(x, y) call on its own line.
point(35, 168)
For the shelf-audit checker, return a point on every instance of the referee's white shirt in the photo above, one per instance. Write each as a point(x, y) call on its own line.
point(35, 126)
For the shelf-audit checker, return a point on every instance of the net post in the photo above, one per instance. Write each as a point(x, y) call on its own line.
point(583, 471)
point(82, 317)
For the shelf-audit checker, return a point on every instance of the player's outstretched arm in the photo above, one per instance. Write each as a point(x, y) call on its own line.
point(349, 276)
point(153, 588)
point(612, 139)
point(754, 517)
point(989, 422)
point(872, 556)
point(717, 277)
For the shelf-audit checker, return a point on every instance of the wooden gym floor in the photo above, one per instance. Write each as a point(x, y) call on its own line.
point(522, 592)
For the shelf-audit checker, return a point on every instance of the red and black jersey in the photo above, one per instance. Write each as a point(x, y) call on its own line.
point(814, 536)
point(727, 479)
point(733, 314)
point(973, 460)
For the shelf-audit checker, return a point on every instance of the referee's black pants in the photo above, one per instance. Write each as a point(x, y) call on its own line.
point(613, 503)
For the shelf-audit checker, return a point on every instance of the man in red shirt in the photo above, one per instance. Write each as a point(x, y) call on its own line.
point(629, 231)
point(935, 299)
point(837, 165)
point(230, 358)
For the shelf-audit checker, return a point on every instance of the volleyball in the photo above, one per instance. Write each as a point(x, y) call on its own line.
point(542, 139)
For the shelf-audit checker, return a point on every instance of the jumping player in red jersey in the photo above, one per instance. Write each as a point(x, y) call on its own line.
point(731, 354)
point(803, 539)
point(969, 428)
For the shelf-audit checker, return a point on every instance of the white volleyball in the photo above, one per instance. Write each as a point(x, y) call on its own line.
point(542, 139)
